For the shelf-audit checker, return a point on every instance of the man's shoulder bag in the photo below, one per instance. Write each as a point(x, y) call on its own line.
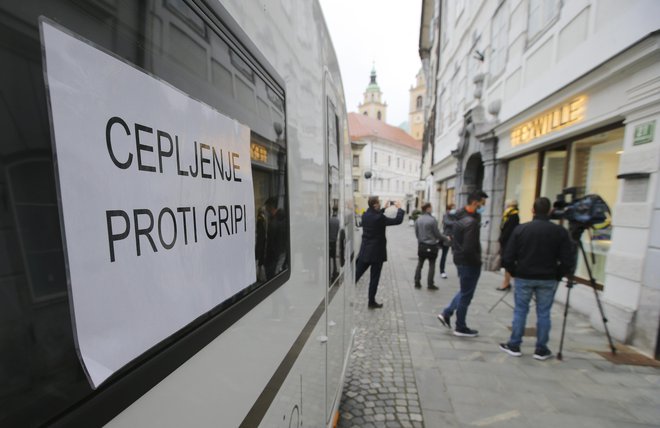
point(427, 250)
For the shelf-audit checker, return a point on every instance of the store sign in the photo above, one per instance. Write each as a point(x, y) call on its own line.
point(552, 120)
point(156, 201)
point(644, 133)
point(258, 153)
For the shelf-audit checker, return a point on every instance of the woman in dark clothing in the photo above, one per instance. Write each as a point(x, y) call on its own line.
point(448, 221)
point(510, 220)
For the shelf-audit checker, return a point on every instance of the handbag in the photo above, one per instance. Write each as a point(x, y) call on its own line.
point(427, 250)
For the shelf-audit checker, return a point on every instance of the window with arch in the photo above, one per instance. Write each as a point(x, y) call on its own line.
point(418, 103)
point(379, 115)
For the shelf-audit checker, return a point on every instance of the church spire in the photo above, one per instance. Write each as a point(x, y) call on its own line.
point(373, 106)
point(373, 86)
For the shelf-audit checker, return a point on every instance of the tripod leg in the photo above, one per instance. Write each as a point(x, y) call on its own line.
point(602, 314)
point(569, 285)
point(501, 298)
point(592, 282)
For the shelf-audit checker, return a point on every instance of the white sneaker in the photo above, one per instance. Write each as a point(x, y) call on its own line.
point(443, 275)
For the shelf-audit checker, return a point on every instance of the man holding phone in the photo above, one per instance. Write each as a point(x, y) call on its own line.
point(373, 249)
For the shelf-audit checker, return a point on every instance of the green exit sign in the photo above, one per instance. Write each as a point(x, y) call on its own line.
point(644, 133)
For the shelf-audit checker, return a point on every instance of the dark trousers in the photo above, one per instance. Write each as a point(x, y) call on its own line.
point(376, 268)
point(420, 263)
point(468, 276)
point(443, 257)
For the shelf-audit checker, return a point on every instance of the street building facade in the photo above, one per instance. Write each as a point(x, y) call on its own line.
point(385, 162)
point(531, 97)
point(416, 112)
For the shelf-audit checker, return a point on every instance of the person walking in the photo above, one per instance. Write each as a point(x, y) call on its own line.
point(428, 238)
point(510, 219)
point(448, 221)
point(373, 248)
point(538, 255)
point(467, 258)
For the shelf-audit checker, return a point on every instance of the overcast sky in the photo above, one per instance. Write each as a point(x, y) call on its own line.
point(382, 31)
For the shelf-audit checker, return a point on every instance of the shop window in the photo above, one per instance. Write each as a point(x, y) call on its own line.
point(521, 184)
point(553, 173)
point(450, 196)
point(593, 170)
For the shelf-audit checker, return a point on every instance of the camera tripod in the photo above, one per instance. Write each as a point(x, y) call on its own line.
point(501, 299)
point(576, 234)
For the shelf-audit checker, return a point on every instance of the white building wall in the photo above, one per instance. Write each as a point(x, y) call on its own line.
point(374, 157)
point(548, 68)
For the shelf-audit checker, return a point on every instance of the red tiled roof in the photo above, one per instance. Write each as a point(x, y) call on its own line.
point(360, 126)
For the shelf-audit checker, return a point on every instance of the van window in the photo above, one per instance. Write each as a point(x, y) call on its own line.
point(40, 374)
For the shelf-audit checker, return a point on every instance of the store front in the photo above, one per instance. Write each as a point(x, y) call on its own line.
point(599, 135)
point(589, 163)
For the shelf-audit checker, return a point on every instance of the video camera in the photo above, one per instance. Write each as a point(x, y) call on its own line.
point(583, 212)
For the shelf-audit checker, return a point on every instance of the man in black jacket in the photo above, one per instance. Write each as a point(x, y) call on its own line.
point(467, 258)
point(538, 255)
point(373, 249)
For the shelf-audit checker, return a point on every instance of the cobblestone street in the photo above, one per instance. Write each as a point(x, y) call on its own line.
point(380, 381)
point(407, 370)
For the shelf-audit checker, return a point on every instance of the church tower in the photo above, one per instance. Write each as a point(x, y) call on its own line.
point(416, 112)
point(373, 105)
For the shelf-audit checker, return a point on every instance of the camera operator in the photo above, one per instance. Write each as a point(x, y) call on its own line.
point(538, 254)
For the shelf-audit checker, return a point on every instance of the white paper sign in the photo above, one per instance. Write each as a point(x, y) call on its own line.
point(156, 199)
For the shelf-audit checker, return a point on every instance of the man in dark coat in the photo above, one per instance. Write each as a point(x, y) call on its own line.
point(538, 255)
point(275, 247)
point(373, 250)
point(467, 258)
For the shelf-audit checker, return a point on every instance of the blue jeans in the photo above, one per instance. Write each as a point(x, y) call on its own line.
point(468, 276)
point(544, 291)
